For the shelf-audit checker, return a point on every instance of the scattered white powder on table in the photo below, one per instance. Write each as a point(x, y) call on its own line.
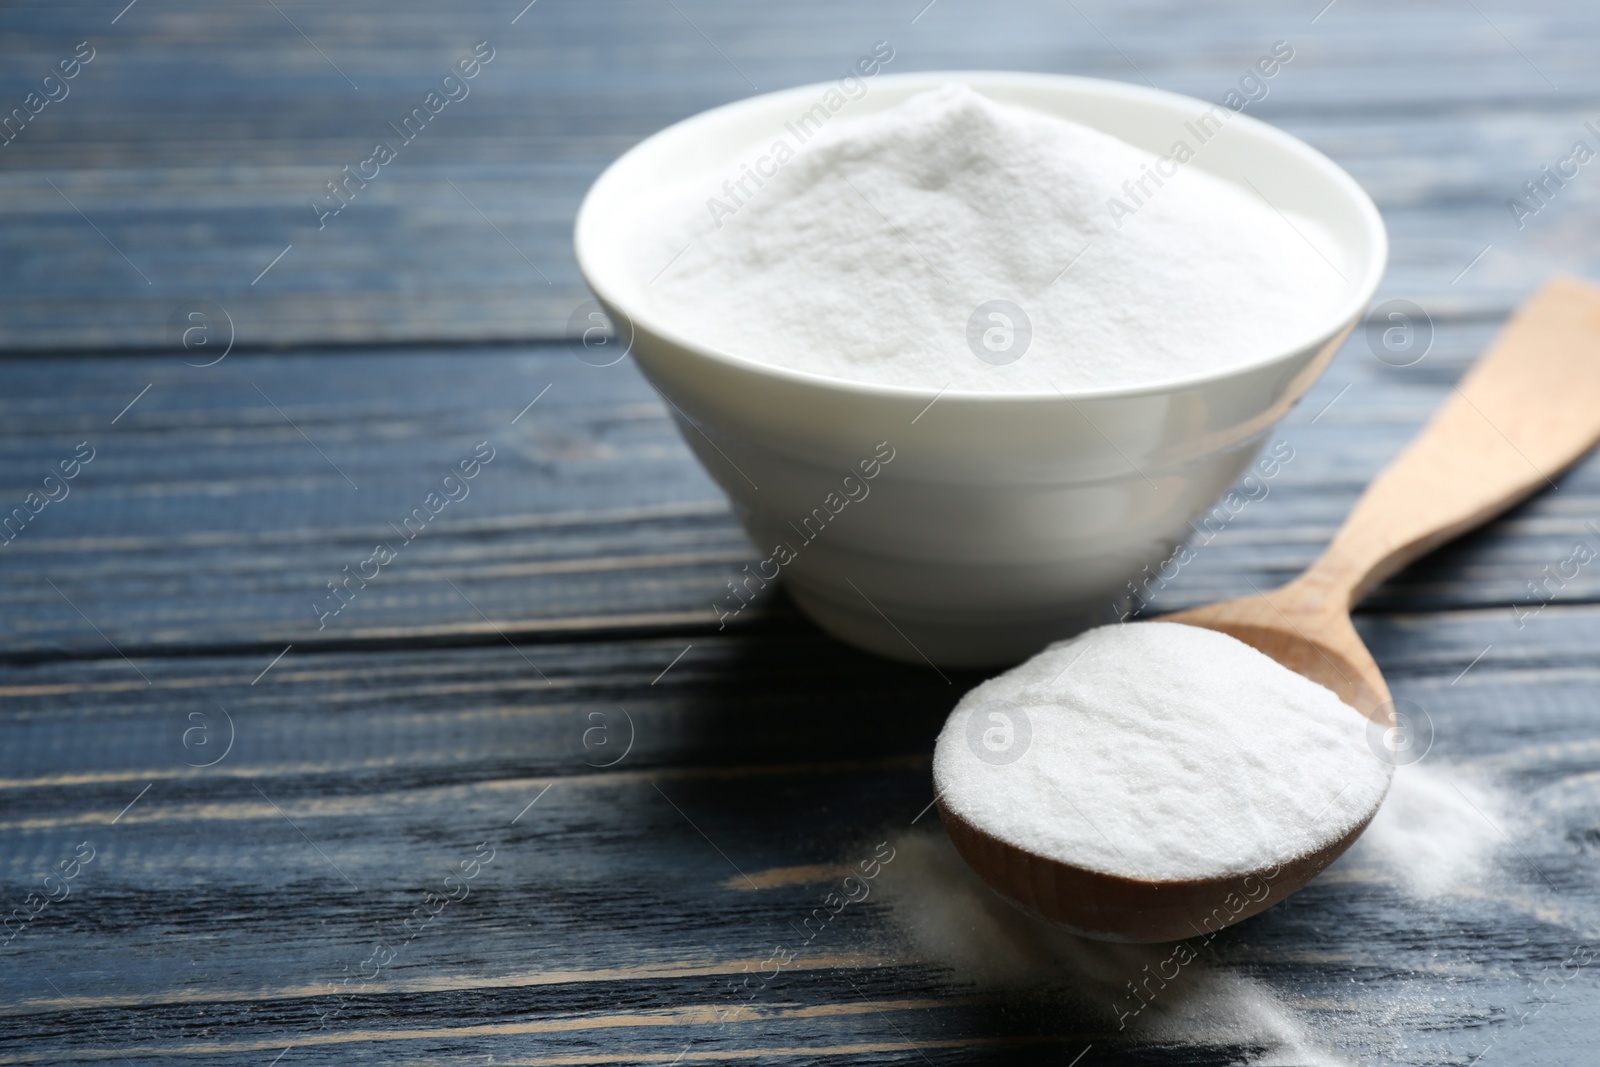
point(946, 916)
point(1436, 832)
point(866, 255)
point(1158, 751)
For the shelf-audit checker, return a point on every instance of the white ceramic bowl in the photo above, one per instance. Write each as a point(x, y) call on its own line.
point(1003, 521)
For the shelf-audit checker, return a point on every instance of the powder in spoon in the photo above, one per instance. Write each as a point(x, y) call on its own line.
point(1158, 751)
point(873, 253)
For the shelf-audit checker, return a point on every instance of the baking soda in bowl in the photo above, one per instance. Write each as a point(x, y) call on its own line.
point(1161, 752)
point(956, 242)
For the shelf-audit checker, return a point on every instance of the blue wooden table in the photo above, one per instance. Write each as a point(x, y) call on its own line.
point(518, 799)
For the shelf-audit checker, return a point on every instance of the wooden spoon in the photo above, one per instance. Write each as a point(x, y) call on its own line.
point(1526, 411)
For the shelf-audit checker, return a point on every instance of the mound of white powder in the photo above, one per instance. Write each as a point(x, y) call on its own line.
point(1158, 751)
point(867, 256)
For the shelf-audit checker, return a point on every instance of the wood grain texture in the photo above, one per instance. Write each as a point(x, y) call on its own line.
point(611, 930)
point(608, 923)
point(197, 137)
point(665, 908)
point(208, 516)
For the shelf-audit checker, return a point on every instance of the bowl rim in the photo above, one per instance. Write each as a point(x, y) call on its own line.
point(1344, 315)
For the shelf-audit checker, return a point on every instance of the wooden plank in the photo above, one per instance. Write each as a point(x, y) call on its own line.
point(216, 921)
point(198, 135)
point(217, 481)
point(229, 897)
point(211, 517)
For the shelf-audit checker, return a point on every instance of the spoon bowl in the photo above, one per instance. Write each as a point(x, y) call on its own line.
point(1529, 408)
point(1109, 907)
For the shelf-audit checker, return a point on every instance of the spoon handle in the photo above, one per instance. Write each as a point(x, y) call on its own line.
point(1527, 410)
